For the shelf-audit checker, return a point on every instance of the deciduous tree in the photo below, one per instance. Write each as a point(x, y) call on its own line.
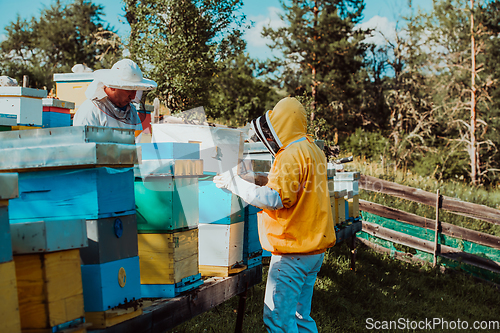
point(63, 35)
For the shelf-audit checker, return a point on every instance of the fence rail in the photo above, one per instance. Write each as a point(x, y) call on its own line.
point(453, 243)
point(456, 206)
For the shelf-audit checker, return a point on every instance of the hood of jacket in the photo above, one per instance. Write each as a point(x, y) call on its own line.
point(282, 125)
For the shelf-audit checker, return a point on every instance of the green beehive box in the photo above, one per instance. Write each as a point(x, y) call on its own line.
point(166, 204)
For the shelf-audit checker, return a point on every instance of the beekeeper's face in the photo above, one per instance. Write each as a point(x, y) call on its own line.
point(120, 97)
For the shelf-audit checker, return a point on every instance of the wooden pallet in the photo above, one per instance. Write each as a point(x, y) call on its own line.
point(82, 328)
point(112, 317)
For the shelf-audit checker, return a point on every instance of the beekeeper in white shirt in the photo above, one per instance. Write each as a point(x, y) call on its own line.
point(110, 96)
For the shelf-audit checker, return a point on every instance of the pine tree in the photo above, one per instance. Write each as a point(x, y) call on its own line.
point(322, 53)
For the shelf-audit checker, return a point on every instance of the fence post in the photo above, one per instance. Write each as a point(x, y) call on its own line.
point(436, 230)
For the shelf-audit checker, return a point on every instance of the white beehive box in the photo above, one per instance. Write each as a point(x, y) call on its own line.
point(220, 244)
point(25, 103)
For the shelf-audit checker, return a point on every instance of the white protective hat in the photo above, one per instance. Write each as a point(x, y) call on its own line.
point(125, 74)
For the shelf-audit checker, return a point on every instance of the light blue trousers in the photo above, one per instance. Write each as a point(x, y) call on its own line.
point(289, 290)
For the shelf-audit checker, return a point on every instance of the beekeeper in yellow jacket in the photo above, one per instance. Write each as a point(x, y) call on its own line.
point(296, 224)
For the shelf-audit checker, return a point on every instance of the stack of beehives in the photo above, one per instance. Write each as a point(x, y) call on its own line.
point(221, 213)
point(21, 108)
point(74, 182)
point(346, 183)
point(56, 113)
point(166, 192)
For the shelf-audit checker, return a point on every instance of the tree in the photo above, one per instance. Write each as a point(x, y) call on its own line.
point(458, 39)
point(63, 35)
point(237, 95)
point(181, 44)
point(323, 53)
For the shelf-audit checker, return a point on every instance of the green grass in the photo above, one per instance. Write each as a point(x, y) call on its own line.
point(381, 288)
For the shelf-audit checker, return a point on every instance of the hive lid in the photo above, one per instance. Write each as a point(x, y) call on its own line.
point(64, 156)
point(22, 92)
point(58, 103)
point(73, 77)
point(347, 176)
point(65, 136)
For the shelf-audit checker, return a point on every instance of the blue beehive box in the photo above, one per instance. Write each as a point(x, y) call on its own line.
point(56, 119)
point(81, 194)
point(8, 191)
point(5, 242)
point(252, 242)
point(171, 290)
point(219, 206)
point(252, 250)
point(108, 285)
point(170, 150)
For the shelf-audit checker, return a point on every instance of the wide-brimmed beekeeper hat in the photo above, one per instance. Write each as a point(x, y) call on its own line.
point(125, 74)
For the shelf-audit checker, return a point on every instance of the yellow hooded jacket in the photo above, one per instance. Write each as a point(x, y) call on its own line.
point(304, 225)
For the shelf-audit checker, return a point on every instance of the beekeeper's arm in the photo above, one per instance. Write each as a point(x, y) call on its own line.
point(258, 196)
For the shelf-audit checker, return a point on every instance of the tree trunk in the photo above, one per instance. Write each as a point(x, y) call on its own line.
point(314, 83)
point(473, 148)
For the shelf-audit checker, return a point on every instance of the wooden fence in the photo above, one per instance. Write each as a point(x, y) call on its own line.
point(430, 240)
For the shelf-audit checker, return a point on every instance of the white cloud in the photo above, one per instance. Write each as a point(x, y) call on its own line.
point(253, 35)
point(384, 30)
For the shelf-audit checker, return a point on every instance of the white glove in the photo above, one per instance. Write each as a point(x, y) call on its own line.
point(258, 196)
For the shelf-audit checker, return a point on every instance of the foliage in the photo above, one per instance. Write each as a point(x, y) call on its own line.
point(428, 98)
point(371, 145)
point(181, 45)
point(63, 35)
point(237, 96)
point(448, 37)
point(322, 54)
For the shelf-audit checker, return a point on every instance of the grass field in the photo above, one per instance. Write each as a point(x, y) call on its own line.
point(381, 288)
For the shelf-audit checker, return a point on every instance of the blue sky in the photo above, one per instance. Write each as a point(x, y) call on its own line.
point(380, 14)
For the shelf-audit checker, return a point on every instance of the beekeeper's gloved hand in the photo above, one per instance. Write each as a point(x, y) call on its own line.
point(258, 196)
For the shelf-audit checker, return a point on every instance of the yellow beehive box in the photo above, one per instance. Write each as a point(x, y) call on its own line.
point(49, 288)
point(337, 202)
point(168, 258)
point(72, 86)
point(354, 206)
point(9, 306)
